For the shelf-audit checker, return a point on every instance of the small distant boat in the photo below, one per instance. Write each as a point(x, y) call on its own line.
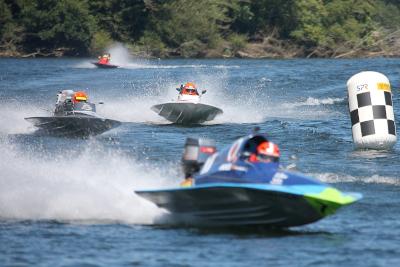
point(187, 109)
point(74, 116)
point(104, 62)
point(229, 188)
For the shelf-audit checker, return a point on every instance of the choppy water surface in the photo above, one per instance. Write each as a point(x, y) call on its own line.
point(70, 202)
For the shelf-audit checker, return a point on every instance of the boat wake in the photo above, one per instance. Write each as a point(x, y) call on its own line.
point(311, 101)
point(93, 185)
point(142, 64)
point(12, 118)
point(373, 179)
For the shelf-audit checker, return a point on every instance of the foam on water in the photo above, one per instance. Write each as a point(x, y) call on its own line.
point(341, 178)
point(311, 108)
point(195, 66)
point(91, 186)
point(311, 101)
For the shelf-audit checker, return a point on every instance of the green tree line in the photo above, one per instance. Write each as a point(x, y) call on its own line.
point(193, 28)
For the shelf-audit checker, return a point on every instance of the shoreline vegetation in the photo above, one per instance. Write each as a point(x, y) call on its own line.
point(201, 29)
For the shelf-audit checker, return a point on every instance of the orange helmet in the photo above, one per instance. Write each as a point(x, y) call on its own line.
point(266, 152)
point(189, 89)
point(189, 85)
point(80, 96)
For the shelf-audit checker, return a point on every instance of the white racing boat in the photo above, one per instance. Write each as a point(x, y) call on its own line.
point(187, 109)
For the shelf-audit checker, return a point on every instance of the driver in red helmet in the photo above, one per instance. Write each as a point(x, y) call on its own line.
point(266, 152)
point(189, 89)
point(105, 59)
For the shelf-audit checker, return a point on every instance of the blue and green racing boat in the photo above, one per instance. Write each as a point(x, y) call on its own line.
point(226, 188)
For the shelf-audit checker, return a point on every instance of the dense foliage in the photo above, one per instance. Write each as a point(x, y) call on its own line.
point(193, 28)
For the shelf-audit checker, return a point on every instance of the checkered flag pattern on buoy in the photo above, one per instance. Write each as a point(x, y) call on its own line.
point(371, 111)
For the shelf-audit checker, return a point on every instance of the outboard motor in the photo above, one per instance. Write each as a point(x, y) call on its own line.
point(195, 154)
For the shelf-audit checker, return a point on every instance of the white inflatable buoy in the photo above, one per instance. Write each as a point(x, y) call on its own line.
point(371, 110)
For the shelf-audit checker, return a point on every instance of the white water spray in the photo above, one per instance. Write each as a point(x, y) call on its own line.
point(92, 186)
point(119, 55)
point(12, 119)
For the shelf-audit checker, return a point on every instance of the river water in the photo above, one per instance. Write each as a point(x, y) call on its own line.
point(70, 202)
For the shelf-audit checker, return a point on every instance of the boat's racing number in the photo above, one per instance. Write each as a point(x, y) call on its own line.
point(362, 87)
point(278, 178)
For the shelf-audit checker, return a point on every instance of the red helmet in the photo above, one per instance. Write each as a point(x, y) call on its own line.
point(266, 152)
